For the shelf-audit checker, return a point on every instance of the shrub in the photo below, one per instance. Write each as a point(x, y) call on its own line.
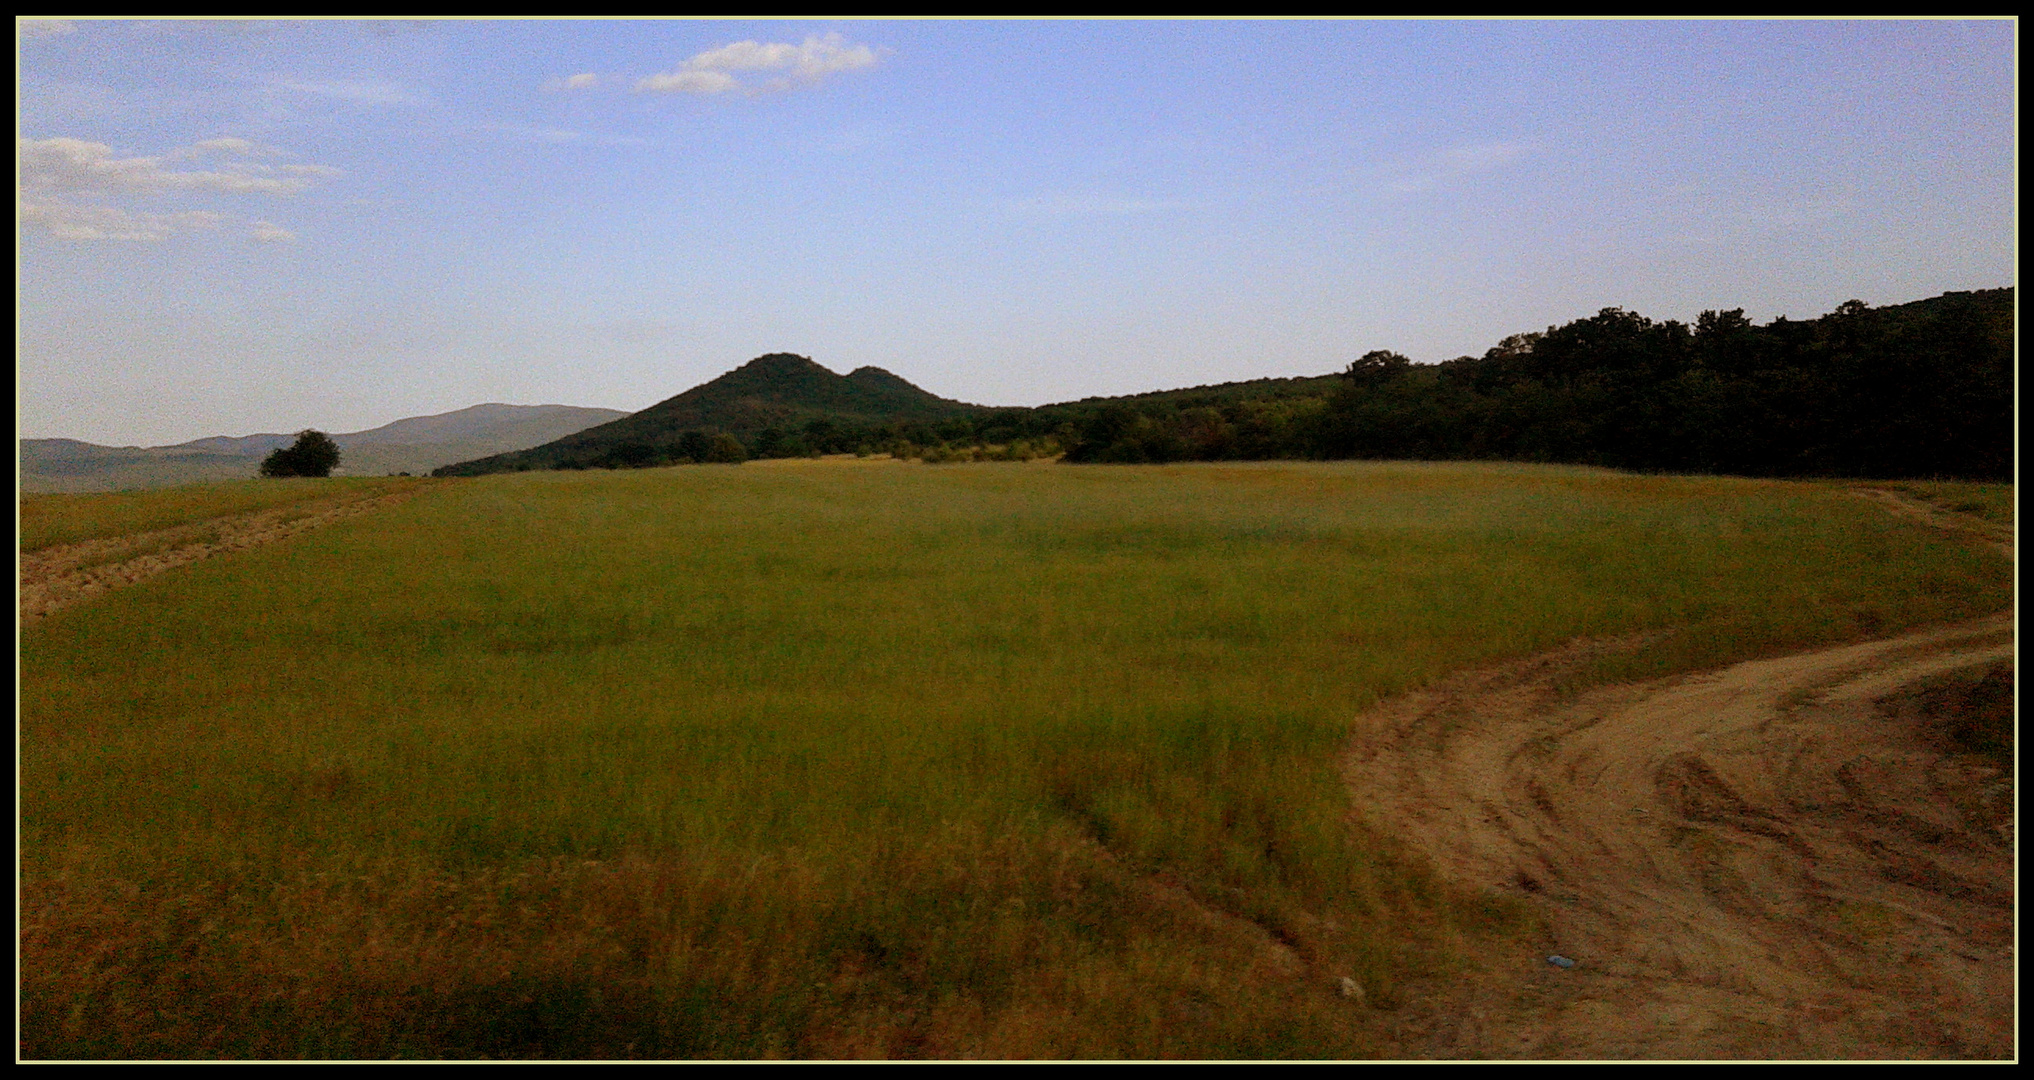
point(313, 454)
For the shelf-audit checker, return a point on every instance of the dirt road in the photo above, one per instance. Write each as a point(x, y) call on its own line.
point(1776, 860)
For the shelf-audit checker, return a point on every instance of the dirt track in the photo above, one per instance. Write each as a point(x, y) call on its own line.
point(1759, 862)
point(57, 577)
point(1762, 862)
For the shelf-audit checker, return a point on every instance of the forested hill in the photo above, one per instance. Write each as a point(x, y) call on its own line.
point(755, 406)
point(1915, 390)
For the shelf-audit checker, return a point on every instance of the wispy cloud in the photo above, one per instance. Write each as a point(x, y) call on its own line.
point(690, 82)
point(34, 26)
point(1451, 164)
point(585, 80)
point(54, 174)
point(226, 144)
point(805, 64)
point(268, 232)
point(77, 166)
point(69, 221)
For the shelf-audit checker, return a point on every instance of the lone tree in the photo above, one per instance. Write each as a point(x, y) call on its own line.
point(313, 454)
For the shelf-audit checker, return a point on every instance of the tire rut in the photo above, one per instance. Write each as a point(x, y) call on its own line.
point(56, 578)
point(1763, 861)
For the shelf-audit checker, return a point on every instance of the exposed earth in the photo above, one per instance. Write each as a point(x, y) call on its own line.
point(1787, 858)
point(54, 578)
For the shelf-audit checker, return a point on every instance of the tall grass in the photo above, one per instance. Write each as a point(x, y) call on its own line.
point(991, 760)
point(49, 520)
point(1991, 503)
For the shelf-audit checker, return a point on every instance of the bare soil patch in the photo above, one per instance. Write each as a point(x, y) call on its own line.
point(1782, 859)
point(55, 578)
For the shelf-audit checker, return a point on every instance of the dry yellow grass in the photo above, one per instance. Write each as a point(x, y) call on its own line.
point(807, 760)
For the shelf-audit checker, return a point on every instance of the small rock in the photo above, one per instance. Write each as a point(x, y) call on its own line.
point(1352, 989)
point(1560, 961)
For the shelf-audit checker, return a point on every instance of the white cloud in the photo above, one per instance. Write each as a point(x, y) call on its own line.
point(78, 166)
point(803, 64)
point(51, 171)
point(1453, 164)
point(691, 82)
point(585, 80)
point(68, 221)
point(224, 145)
point(33, 26)
point(268, 232)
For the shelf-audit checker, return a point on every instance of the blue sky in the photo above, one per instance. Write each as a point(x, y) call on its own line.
point(227, 228)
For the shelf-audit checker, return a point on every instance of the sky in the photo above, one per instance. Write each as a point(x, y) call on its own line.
point(235, 227)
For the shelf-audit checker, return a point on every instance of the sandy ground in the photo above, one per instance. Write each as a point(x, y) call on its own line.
point(55, 578)
point(1780, 860)
point(1759, 862)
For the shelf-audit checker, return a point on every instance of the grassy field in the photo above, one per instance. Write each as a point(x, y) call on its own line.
point(1991, 503)
point(815, 760)
point(49, 520)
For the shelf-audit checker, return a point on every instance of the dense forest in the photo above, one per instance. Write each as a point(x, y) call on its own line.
point(1919, 389)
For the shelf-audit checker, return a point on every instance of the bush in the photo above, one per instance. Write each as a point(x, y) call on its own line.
point(313, 454)
point(727, 450)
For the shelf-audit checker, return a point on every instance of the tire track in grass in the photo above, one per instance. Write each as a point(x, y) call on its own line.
point(1999, 537)
point(56, 578)
point(1767, 861)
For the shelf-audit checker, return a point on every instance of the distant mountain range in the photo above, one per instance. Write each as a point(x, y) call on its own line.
point(1917, 389)
point(415, 445)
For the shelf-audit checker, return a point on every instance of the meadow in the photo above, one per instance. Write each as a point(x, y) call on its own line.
point(51, 519)
point(825, 760)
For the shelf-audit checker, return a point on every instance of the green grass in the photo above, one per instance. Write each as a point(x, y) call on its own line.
point(49, 520)
point(1991, 503)
point(817, 761)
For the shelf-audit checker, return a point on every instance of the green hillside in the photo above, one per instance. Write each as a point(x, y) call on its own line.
point(777, 392)
point(1914, 390)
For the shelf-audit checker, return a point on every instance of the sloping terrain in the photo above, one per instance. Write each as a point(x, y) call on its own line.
point(779, 390)
point(414, 445)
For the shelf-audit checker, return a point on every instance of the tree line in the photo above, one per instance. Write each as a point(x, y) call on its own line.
point(1920, 389)
point(1923, 389)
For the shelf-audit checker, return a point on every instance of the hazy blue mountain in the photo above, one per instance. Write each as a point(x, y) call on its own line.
point(415, 445)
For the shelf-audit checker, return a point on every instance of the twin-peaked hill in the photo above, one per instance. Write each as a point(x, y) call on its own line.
point(780, 392)
point(1924, 389)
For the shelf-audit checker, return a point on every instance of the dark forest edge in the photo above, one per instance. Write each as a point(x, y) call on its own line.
point(1923, 389)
